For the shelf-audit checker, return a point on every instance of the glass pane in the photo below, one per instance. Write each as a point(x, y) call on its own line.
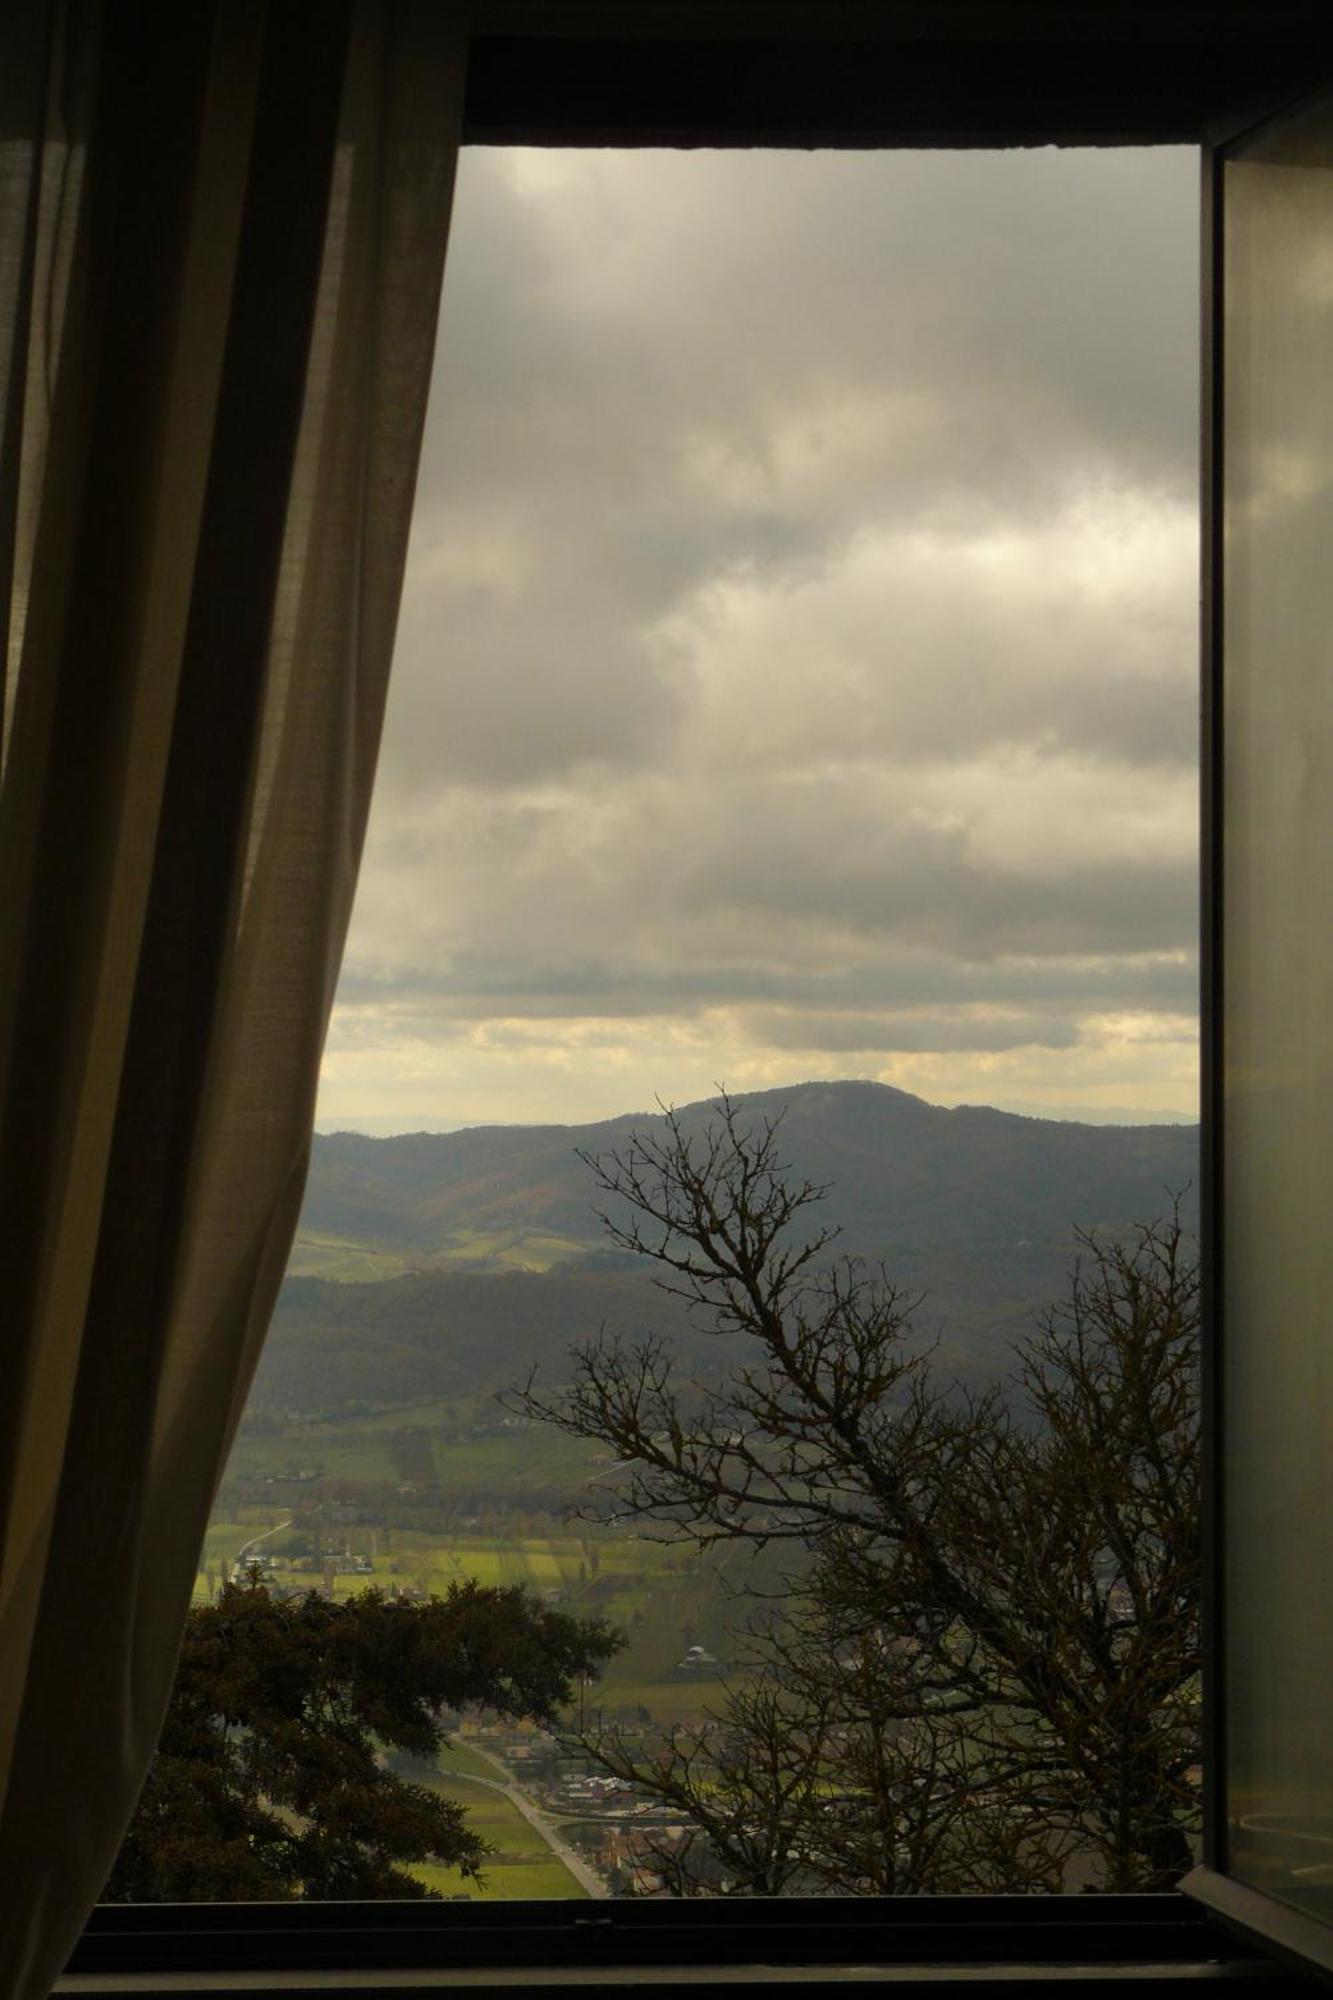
point(796, 687)
point(1278, 902)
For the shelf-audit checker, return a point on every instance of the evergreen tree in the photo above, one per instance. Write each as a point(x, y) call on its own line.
point(271, 1780)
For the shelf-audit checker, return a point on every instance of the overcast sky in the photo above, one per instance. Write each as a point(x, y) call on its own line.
point(796, 674)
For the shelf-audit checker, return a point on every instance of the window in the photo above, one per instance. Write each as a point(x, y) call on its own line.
point(796, 687)
point(1271, 1068)
point(1172, 97)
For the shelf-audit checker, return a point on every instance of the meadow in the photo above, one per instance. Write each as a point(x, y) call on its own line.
point(463, 1447)
point(343, 1259)
point(523, 1866)
point(663, 1598)
point(351, 1260)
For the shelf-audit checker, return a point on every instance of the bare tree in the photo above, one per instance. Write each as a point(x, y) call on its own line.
point(986, 1661)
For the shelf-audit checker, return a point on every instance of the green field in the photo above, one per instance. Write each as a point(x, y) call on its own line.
point(349, 1260)
point(663, 1598)
point(458, 1761)
point(420, 1442)
point(506, 1250)
point(342, 1259)
point(523, 1866)
point(660, 1597)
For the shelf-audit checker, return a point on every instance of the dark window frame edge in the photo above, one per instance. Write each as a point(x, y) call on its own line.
point(1244, 80)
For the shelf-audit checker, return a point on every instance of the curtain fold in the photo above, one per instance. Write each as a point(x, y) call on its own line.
point(223, 240)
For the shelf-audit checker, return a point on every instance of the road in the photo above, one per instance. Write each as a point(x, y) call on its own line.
point(246, 1547)
point(575, 1863)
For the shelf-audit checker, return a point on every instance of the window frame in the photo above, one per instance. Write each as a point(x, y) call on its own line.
point(948, 73)
point(1296, 1937)
point(724, 1941)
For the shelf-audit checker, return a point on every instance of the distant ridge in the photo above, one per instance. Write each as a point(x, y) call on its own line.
point(487, 1258)
point(904, 1174)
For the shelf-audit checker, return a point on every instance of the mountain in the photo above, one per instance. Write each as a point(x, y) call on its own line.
point(431, 1335)
point(501, 1261)
point(902, 1174)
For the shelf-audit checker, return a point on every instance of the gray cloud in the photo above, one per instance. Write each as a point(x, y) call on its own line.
point(800, 620)
point(870, 1034)
point(473, 987)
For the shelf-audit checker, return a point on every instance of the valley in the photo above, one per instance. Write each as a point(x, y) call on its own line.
point(433, 1273)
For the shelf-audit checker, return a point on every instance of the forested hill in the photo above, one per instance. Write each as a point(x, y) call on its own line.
point(903, 1175)
point(492, 1258)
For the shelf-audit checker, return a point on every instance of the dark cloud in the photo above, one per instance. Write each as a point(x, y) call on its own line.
point(471, 988)
point(888, 1034)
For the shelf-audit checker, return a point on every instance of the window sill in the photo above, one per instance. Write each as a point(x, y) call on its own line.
point(925, 1944)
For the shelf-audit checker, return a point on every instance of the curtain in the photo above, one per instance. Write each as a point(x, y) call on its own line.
point(222, 232)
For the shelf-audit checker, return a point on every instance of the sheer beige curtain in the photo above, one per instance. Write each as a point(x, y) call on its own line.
point(222, 232)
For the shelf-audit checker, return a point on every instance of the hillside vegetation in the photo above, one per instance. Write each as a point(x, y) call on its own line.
point(902, 1173)
point(452, 1263)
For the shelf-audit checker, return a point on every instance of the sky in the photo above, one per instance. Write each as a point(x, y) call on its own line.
point(797, 666)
